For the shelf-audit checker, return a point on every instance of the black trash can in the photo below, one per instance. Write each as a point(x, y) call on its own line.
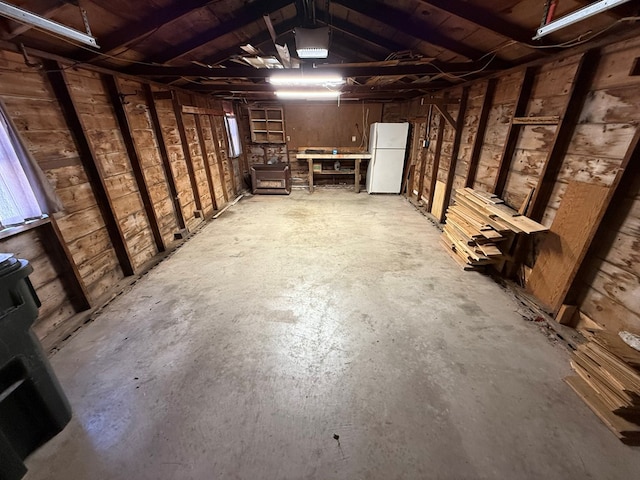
point(33, 407)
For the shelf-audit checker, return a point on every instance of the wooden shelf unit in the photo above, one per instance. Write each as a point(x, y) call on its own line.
point(267, 125)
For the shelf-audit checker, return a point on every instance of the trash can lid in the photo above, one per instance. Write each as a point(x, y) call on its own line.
point(8, 263)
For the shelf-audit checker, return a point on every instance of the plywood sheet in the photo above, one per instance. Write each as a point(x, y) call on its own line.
point(566, 244)
point(438, 206)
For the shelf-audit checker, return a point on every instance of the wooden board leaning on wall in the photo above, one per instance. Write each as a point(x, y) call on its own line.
point(569, 237)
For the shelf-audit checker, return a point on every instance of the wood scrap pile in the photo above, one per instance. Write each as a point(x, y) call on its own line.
point(609, 383)
point(480, 228)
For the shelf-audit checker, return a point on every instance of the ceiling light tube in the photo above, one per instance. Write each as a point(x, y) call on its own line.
point(309, 80)
point(307, 94)
point(41, 23)
point(577, 16)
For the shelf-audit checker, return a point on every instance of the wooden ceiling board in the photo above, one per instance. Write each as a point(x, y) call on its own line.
point(430, 15)
point(357, 37)
point(132, 10)
point(192, 24)
point(363, 21)
point(236, 38)
point(225, 9)
point(439, 53)
point(100, 19)
point(488, 41)
point(390, 32)
point(514, 11)
point(515, 52)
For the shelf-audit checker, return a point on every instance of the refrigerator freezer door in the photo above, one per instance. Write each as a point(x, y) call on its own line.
point(373, 137)
point(384, 174)
point(389, 135)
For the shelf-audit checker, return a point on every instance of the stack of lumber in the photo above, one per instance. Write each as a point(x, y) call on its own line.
point(609, 383)
point(479, 228)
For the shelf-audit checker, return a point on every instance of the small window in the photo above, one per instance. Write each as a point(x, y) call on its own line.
point(233, 134)
point(25, 192)
point(18, 202)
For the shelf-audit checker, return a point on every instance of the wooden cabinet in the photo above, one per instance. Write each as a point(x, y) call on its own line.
point(267, 125)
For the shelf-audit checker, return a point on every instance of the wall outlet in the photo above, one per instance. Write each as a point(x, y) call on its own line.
point(288, 138)
point(353, 138)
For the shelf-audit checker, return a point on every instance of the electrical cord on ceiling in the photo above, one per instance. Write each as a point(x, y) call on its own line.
point(579, 40)
point(116, 56)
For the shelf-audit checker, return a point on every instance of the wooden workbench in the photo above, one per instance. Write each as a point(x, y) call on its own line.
point(356, 157)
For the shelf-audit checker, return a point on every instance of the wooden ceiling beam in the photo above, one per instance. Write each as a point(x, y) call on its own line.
point(133, 31)
point(483, 18)
point(367, 36)
point(353, 52)
point(241, 18)
point(405, 22)
point(434, 67)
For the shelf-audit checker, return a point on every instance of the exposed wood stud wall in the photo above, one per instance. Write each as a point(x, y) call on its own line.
point(166, 163)
point(512, 135)
point(58, 249)
point(205, 155)
point(480, 133)
point(581, 85)
point(113, 90)
point(455, 148)
point(210, 158)
point(582, 157)
point(111, 164)
point(177, 110)
point(55, 74)
point(219, 159)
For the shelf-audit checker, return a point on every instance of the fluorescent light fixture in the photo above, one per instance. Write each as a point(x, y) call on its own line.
point(306, 80)
point(307, 94)
point(577, 16)
point(312, 42)
point(49, 26)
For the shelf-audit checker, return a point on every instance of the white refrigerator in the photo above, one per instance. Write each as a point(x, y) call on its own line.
point(387, 144)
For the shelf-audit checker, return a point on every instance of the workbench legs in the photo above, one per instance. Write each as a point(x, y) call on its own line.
point(357, 175)
point(310, 160)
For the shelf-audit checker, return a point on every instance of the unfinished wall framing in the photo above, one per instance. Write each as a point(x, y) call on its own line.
point(566, 125)
point(117, 158)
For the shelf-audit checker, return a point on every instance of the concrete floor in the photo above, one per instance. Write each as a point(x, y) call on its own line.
point(291, 319)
